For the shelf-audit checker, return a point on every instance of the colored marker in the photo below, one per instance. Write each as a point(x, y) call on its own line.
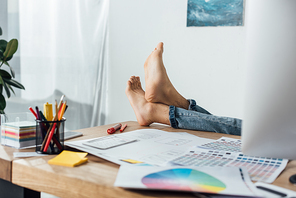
point(54, 138)
point(62, 111)
point(114, 128)
point(123, 127)
point(49, 137)
point(51, 126)
point(47, 109)
point(31, 109)
point(38, 114)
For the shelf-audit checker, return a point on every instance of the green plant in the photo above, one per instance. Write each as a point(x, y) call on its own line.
point(7, 49)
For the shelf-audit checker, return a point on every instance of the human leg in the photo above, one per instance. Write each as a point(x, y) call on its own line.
point(194, 120)
point(161, 100)
point(194, 107)
point(159, 88)
point(146, 112)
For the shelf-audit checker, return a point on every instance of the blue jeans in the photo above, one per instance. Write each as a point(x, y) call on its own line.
point(197, 118)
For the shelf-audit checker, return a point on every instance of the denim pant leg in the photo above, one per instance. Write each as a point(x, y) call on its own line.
point(194, 107)
point(197, 118)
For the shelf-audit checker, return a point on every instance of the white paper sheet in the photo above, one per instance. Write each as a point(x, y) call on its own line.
point(220, 180)
point(27, 154)
point(259, 168)
point(153, 147)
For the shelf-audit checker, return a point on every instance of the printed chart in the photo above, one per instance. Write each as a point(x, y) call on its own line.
point(224, 144)
point(184, 179)
point(214, 180)
point(259, 168)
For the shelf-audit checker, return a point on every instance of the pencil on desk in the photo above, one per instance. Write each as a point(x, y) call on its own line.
point(49, 138)
point(51, 126)
point(61, 113)
point(57, 111)
point(42, 126)
point(54, 138)
point(47, 134)
point(56, 106)
point(55, 126)
point(44, 129)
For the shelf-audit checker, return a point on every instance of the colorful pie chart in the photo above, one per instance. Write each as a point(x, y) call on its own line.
point(183, 179)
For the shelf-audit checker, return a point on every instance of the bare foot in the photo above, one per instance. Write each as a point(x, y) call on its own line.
point(146, 112)
point(159, 88)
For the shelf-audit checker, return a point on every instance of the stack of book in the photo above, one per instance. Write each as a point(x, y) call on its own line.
point(18, 134)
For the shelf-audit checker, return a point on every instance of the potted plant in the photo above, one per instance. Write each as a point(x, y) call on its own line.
point(7, 49)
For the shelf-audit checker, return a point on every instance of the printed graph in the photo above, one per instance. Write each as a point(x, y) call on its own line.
point(183, 179)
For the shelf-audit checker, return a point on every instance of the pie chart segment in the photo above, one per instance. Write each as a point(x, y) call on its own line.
point(181, 172)
point(184, 179)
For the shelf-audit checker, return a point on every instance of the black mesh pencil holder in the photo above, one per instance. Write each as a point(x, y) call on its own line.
point(50, 136)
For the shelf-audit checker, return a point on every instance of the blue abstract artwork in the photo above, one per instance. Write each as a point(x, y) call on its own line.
point(215, 13)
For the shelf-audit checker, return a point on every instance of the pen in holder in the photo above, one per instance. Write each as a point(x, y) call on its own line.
point(50, 136)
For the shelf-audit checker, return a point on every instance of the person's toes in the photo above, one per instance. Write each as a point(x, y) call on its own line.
point(160, 46)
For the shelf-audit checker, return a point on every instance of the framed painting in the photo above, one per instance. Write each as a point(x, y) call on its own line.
point(215, 13)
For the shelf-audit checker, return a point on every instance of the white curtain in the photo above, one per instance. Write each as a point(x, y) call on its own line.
point(63, 50)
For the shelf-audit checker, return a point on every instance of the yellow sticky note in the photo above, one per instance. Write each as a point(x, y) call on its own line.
point(132, 161)
point(69, 158)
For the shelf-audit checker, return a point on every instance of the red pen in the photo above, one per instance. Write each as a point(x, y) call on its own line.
point(113, 129)
point(31, 109)
point(123, 127)
point(49, 137)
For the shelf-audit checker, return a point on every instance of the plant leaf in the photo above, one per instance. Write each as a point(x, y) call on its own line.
point(14, 83)
point(10, 88)
point(1, 88)
point(3, 45)
point(6, 63)
point(11, 69)
point(8, 58)
point(1, 80)
point(7, 90)
point(2, 103)
point(4, 74)
point(11, 48)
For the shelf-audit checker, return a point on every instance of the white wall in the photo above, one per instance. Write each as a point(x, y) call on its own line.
point(204, 63)
point(3, 19)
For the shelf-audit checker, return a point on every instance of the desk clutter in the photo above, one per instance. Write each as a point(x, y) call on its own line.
point(18, 130)
point(50, 127)
point(69, 158)
point(181, 161)
point(45, 131)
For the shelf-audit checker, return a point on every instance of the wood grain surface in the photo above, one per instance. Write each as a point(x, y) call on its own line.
point(6, 158)
point(97, 176)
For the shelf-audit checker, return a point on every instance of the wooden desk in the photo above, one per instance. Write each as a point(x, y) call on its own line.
point(7, 189)
point(6, 158)
point(96, 178)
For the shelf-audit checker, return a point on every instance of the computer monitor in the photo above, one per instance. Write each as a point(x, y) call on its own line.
point(269, 122)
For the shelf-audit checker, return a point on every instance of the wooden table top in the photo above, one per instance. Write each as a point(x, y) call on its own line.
point(6, 158)
point(96, 178)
